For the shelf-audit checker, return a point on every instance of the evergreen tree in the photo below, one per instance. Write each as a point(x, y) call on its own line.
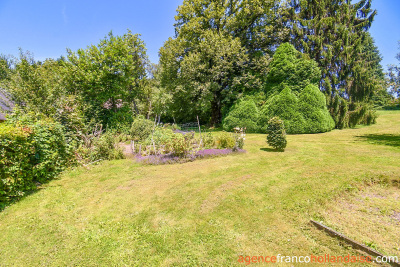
point(331, 33)
point(334, 34)
point(394, 76)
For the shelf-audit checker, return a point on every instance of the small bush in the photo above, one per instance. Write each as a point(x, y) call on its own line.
point(276, 134)
point(181, 146)
point(243, 115)
point(102, 147)
point(208, 140)
point(225, 140)
point(141, 129)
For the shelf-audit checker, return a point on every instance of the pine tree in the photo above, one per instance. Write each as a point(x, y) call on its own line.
point(394, 77)
point(334, 34)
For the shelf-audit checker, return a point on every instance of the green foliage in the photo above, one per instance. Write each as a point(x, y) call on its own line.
point(225, 140)
point(208, 140)
point(244, 114)
point(394, 77)
point(141, 129)
point(181, 145)
point(37, 86)
point(52, 153)
point(332, 32)
point(106, 148)
point(290, 68)
point(100, 147)
point(16, 168)
point(108, 77)
point(276, 134)
point(306, 113)
point(221, 49)
point(32, 150)
point(312, 105)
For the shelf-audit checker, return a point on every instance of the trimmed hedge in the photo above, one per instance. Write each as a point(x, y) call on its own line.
point(30, 153)
point(16, 153)
point(243, 114)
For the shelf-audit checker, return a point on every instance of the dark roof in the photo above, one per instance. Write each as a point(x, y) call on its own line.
point(5, 104)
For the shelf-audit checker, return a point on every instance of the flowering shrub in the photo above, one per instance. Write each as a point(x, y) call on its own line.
point(276, 134)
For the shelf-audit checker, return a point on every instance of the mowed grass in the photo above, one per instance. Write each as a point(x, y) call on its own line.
point(208, 212)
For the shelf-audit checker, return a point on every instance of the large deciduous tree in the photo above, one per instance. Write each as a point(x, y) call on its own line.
point(217, 44)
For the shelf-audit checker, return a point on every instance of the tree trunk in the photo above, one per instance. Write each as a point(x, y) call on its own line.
point(216, 115)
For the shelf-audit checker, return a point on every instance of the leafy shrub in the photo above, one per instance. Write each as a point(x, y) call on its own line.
point(16, 153)
point(312, 105)
point(106, 148)
point(244, 114)
point(161, 136)
point(276, 134)
point(101, 147)
point(31, 151)
point(225, 140)
point(208, 140)
point(52, 153)
point(306, 113)
point(180, 145)
point(284, 105)
point(141, 129)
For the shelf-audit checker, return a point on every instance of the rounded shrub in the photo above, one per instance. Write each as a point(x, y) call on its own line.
point(303, 114)
point(243, 114)
point(141, 129)
point(225, 140)
point(291, 68)
point(285, 106)
point(312, 105)
point(276, 134)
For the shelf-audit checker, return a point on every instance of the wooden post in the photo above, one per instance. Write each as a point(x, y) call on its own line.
point(198, 123)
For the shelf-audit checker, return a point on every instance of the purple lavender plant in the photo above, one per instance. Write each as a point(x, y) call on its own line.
point(172, 159)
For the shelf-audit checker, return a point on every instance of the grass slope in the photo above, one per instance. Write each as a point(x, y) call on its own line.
point(206, 212)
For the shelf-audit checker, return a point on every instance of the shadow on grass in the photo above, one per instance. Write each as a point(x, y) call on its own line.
point(268, 149)
point(382, 139)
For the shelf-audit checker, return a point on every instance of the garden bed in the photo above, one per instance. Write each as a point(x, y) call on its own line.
point(172, 159)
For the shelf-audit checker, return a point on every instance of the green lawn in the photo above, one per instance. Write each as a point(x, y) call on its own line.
point(209, 212)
